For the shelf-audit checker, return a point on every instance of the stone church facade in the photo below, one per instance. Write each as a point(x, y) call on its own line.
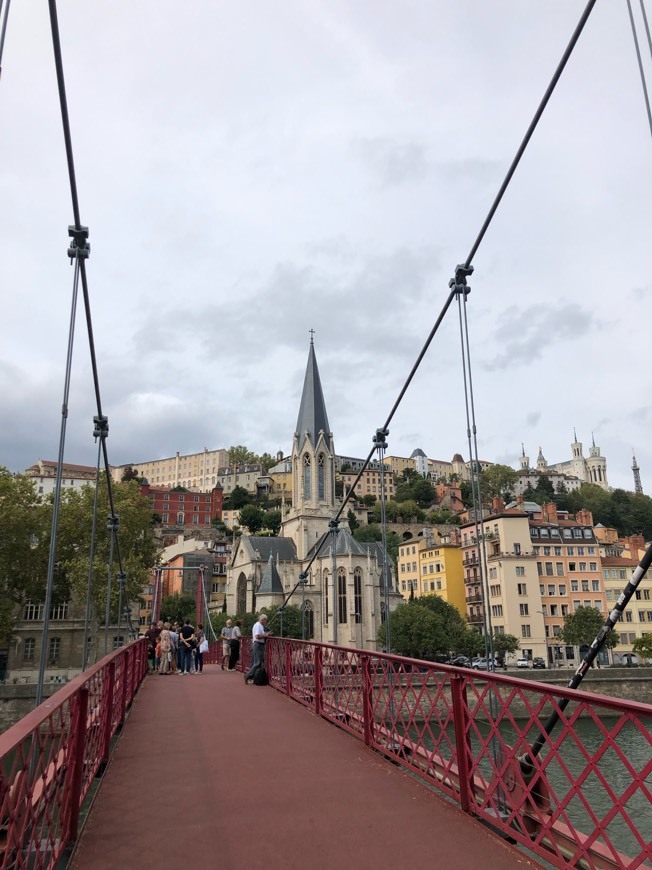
point(344, 595)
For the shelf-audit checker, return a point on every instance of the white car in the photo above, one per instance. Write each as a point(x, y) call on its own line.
point(522, 663)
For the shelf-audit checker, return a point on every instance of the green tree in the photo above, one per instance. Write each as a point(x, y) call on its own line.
point(353, 521)
point(346, 467)
point(581, 627)
point(642, 646)
point(252, 518)
point(129, 473)
point(237, 499)
point(544, 491)
point(267, 461)
point(178, 607)
point(368, 533)
point(240, 455)
point(505, 643)
point(137, 544)
point(290, 626)
point(369, 500)
point(24, 543)
point(272, 520)
point(466, 494)
point(426, 627)
point(498, 481)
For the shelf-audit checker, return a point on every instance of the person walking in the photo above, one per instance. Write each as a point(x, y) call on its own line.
point(236, 634)
point(200, 637)
point(225, 634)
point(165, 640)
point(259, 635)
point(186, 645)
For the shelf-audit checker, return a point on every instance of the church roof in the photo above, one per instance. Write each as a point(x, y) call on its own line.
point(347, 546)
point(263, 548)
point(271, 582)
point(312, 412)
point(417, 452)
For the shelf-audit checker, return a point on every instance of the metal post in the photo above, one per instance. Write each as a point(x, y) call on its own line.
point(101, 428)
point(302, 578)
point(332, 525)
point(380, 440)
point(76, 767)
point(112, 526)
point(122, 577)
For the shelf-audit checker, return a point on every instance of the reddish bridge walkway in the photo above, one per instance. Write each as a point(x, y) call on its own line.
point(211, 773)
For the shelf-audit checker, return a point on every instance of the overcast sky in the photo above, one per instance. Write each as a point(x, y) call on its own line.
point(251, 170)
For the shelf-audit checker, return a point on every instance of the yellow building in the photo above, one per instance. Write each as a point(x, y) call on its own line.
point(282, 484)
point(430, 566)
point(369, 483)
point(441, 573)
point(637, 618)
point(398, 464)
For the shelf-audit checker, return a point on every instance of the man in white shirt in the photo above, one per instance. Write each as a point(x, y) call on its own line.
point(259, 635)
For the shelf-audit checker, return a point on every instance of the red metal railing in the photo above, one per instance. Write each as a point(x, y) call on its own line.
point(584, 801)
point(49, 759)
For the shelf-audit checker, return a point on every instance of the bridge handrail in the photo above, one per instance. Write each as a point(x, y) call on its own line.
point(48, 759)
point(467, 734)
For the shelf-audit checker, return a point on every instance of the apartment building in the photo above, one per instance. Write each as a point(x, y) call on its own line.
point(191, 470)
point(570, 573)
point(44, 475)
point(431, 565)
point(369, 483)
point(184, 508)
point(637, 618)
point(511, 582)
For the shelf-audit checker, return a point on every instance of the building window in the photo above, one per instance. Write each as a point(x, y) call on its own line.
point(496, 609)
point(307, 482)
point(54, 647)
point(33, 611)
point(59, 611)
point(559, 568)
point(180, 519)
point(525, 631)
point(522, 588)
point(523, 608)
point(520, 571)
point(28, 649)
point(357, 595)
point(341, 596)
point(118, 641)
point(320, 477)
point(164, 518)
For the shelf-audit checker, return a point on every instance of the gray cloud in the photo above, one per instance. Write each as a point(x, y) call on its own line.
point(533, 418)
point(392, 162)
point(525, 334)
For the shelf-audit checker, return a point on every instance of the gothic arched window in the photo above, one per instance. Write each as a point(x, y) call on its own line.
point(324, 587)
point(357, 595)
point(307, 482)
point(309, 619)
point(320, 477)
point(342, 615)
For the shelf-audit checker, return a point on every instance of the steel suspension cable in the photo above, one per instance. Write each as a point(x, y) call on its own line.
point(3, 29)
point(646, 97)
point(461, 271)
point(80, 236)
point(57, 488)
point(647, 26)
point(91, 557)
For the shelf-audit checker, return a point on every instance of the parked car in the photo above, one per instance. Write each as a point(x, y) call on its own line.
point(522, 663)
point(539, 663)
point(460, 662)
point(484, 665)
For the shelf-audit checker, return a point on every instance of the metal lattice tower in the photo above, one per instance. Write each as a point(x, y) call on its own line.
point(638, 487)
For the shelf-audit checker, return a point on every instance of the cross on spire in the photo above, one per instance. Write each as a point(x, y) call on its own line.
point(312, 335)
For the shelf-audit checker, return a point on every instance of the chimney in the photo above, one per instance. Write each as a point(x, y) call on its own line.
point(497, 504)
point(584, 517)
point(549, 511)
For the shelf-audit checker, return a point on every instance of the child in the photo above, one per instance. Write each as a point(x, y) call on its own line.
point(157, 659)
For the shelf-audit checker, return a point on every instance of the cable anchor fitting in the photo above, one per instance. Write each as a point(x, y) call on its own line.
point(113, 522)
point(380, 439)
point(101, 429)
point(80, 247)
point(122, 579)
point(303, 578)
point(458, 283)
point(333, 524)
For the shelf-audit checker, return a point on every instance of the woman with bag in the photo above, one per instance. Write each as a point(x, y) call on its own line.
point(234, 644)
point(200, 649)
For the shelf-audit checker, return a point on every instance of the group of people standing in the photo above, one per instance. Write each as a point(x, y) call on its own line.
point(174, 648)
point(231, 635)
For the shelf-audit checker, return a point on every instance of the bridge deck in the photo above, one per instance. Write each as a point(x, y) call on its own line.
point(214, 773)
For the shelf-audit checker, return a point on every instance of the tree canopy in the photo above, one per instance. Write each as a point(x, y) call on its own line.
point(581, 627)
point(427, 628)
point(178, 607)
point(498, 481)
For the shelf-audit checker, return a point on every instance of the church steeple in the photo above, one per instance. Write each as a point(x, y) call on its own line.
point(312, 412)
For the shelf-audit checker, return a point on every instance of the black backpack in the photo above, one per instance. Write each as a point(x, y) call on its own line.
point(260, 677)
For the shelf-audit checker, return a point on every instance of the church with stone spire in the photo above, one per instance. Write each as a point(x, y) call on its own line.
point(571, 472)
point(344, 595)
